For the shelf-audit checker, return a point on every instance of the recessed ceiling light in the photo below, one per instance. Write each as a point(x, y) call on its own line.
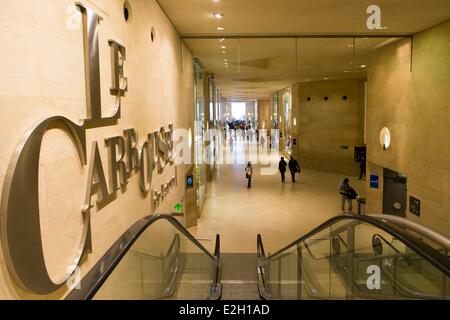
point(347, 71)
point(363, 66)
point(220, 28)
point(223, 47)
point(218, 15)
point(350, 46)
point(222, 40)
point(224, 52)
point(325, 78)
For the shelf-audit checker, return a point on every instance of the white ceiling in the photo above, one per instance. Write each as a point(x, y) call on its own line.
point(258, 67)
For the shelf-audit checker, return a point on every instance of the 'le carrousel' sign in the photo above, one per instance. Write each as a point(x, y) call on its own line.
point(20, 221)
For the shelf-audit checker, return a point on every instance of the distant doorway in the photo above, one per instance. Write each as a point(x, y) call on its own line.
point(394, 193)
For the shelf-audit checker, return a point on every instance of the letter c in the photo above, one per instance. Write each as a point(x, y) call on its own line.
point(19, 210)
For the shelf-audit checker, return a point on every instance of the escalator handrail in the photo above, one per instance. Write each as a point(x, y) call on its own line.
point(261, 251)
point(418, 228)
point(97, 276)
point(216, 289)
point(427, 252)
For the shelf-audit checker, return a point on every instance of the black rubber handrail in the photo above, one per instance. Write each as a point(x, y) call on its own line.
point(427, 252)
point(216, 289)
point(97, 276)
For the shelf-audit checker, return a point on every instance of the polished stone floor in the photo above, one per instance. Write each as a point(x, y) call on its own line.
point(281, 213)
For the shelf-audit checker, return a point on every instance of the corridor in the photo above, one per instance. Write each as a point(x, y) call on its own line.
point(281, 213)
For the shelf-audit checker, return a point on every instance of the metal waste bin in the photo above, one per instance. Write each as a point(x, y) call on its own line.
point(361, 206)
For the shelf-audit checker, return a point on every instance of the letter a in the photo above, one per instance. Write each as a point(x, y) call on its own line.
point(374, 281)
point(374, 21)
point(96, 180)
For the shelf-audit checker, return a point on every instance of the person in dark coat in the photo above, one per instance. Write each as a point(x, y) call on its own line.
point(282, 168)
point(294, 168)
point(348, 194)
point(362, 166)
point(249, 174)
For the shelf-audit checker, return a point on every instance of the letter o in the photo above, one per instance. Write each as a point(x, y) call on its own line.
point(145, 181)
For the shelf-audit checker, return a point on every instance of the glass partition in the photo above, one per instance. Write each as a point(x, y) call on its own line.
point(351, 259)
point(162, 264)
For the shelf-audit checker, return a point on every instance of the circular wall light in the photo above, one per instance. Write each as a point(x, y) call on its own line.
point(385, 138)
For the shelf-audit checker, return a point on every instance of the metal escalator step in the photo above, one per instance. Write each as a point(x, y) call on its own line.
point(240, 290)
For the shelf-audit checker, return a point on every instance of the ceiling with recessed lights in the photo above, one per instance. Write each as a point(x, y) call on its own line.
point(249, 68)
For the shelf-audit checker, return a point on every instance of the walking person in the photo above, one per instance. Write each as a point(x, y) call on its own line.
point(249, 174)
point(282, 168)
point(348, 194)
point(263, 141)
point(294, 168)
point(362, 167)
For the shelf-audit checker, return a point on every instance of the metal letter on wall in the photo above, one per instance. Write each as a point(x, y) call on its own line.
point(117, 165)
point(132, 152)
point(19, 211)
point(92, 72)
point(96, 183)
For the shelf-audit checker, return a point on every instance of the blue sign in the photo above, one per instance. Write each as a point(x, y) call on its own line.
point(374, 182)
point(190, 182)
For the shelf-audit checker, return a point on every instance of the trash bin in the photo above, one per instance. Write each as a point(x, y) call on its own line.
point(362, 206)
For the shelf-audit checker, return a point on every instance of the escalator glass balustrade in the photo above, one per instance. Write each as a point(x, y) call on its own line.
point(155, 259)
point(355, 257)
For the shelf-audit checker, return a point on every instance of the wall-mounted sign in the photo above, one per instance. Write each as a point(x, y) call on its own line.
point(190, 181)
point(374, 182)
point(19, 210)
point(414, 206)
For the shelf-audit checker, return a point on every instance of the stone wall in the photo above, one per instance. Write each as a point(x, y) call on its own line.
point(415, 106)
point(327, 131)
point(43, 76)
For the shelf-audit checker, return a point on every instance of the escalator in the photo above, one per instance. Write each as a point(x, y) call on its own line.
point(358, 257)
point(347, 257)
point(156, 259)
